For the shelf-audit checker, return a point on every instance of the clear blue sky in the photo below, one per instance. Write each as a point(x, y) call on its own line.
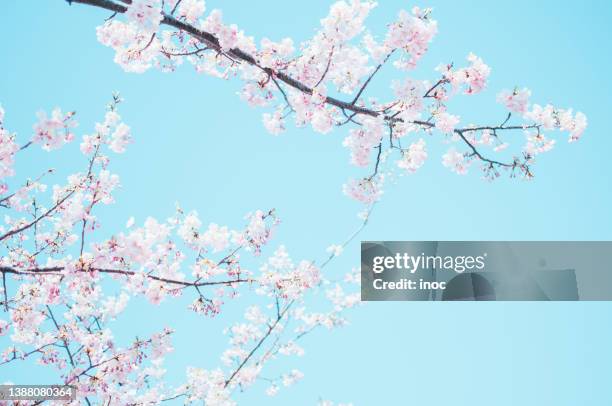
point(198, 144)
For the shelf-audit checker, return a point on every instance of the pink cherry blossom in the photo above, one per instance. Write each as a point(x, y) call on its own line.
point(544, 116)
point(146, 14)
point(8, 148)
point(274, 123)
point(516, 101)
point(473, 79)
point(272, 54)
point(227, 34)
point(410, 94)
point(120, 138)
point(55, 131)
point(412, 33)
point(321, 120)
point(575, 125)
point(455, 161)
point(362, 140)
point(446, 122)
point(4, 327)
point(345, 20)
point(537, 143)
point(366, 191)
point(414, 157)
point(191, 10)
point(218, 238)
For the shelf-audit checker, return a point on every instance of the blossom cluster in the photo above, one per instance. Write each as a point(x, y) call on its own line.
point(8, 148)
point(54, 131)
point(366, 191)
point(414, 156)
point(65, 286)
point(362, 140)
point(342, 58)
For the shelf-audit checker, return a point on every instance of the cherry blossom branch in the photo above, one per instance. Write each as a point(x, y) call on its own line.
point(65, 343)
point(137, 345)
point(238, 55)
point(39, 218)
point(282, 313)
point(4, 200)
point(23, 356)
point(82, 343)
point(211, 41)
point(434, 87)
point(271, 328)
point(461, 133)
point(93, 199)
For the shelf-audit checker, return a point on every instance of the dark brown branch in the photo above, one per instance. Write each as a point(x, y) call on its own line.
point(377, 161)
point(367, 82)
point(506, 120)
point(329, 61)
point(107, 4)
point(175, 7)
point(479, 155)
point(259, 343)
point(57, 327)
point(24, 146)
point(195, 52)
point(280, 89)
point(56, 271)
point(431, 89)
point(348, 118)
point(6, 308)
